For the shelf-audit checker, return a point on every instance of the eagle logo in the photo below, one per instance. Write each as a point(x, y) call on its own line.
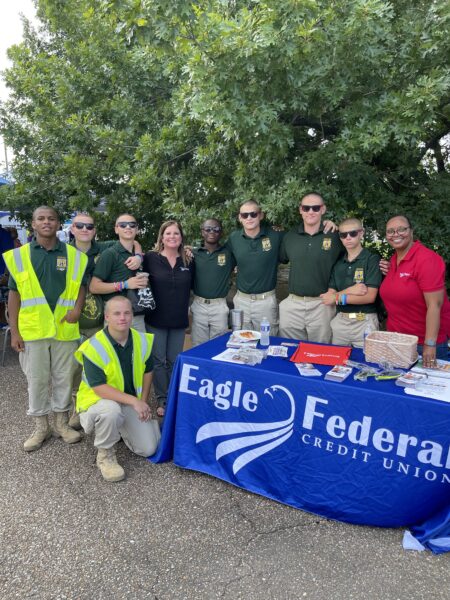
point(253, 439)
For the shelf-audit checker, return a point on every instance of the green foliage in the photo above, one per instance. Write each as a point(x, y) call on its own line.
point(184, 109)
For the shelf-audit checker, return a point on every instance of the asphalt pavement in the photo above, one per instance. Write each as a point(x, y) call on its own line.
point(168, 533)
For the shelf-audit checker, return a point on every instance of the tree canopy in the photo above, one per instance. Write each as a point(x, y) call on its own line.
point(185, 109)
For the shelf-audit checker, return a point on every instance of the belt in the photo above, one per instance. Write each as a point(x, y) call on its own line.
point(208, 300)
point(304, 298)
point(359, 316)
point(257, 296)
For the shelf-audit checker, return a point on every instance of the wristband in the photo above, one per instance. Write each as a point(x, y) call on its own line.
point(125, 285)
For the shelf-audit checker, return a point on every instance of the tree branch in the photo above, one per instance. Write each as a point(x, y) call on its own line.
point(298, 121)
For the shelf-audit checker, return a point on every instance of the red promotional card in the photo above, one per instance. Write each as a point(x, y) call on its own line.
point(321, 354)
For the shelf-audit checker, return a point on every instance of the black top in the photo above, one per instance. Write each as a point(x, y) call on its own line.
point(171, 289)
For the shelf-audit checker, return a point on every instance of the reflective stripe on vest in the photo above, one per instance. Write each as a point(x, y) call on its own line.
point(95, 343)
point(17, 254)
point(32, 302)
point(18, 259)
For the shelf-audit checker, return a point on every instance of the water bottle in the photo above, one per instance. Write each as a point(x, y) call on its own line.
point(265, 332)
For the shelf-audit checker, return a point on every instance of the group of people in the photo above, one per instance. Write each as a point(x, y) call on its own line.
point(333, 291)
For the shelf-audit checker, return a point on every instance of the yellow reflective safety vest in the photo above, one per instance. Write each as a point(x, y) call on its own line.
point(36, 320)
point(99, 350)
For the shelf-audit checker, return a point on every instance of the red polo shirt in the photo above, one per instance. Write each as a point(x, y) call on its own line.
point(421, 270)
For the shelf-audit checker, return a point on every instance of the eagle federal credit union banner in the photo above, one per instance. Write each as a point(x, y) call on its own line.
point(363, 453)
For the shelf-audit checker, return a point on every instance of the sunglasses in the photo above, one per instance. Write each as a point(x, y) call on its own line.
point(245, 215)
point(215, 229)
point(88, 226)
point(124, 224)
point(400, 230)
point(353, 233)
point(308, 207)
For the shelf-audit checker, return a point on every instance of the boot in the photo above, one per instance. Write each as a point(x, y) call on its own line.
point(74, 420)
point(41, 433)
point(108, 465)
point(62, 429)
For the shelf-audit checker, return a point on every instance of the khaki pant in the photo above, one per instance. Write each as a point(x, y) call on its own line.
point(257, 307)
point(112, 421)
point(306, 318)
point(48, 366)
point(209, 319)
point(350, 332)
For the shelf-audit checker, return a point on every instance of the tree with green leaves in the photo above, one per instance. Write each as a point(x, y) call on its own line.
point(186, 109)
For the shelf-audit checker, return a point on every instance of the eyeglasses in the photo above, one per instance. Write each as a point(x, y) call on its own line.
point(399, 230)
point(125, 224)
point(353, 233)
point(88, 226)
point(215, 229)
point(308, 207)
point(253, 214)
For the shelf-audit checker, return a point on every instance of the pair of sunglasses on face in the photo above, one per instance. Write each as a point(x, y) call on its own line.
point(88, 226)
point(125, 224)
point(314, 207)
point(245, 215)
point(353, 233)
point(215, 229)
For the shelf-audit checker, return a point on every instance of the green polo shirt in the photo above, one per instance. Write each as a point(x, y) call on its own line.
point(93, 254)
point(50, 267)
point(212, 277)
point(96, 376)
point(256, 258)
point(363, 269)
point(312, 258)
point(111, 267)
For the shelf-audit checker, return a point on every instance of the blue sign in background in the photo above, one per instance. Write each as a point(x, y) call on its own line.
point(295, 439)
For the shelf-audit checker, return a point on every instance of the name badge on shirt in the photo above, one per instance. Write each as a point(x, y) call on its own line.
point(359, 275)
point(222, 260)
point(266, 245)
point(326, 243)
point(61, 263)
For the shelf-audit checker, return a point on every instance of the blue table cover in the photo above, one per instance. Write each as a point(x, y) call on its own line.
point(364, 453)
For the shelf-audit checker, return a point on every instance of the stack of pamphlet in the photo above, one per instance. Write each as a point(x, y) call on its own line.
point(308, 370)
point(338, 373)
point(241, 356)
point(278, 351)
point(410, 379)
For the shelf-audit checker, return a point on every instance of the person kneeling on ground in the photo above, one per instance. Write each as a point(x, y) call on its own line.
point(112, 399)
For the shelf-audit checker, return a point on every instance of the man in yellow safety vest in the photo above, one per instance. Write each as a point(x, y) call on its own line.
point(112, 399)
point(45, 300)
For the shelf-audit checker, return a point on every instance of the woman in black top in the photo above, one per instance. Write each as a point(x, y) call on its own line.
point(171, 276)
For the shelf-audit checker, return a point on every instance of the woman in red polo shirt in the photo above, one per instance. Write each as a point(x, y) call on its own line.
point(413, 291)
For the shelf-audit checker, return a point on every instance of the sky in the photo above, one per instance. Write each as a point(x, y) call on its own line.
point(11, 33)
